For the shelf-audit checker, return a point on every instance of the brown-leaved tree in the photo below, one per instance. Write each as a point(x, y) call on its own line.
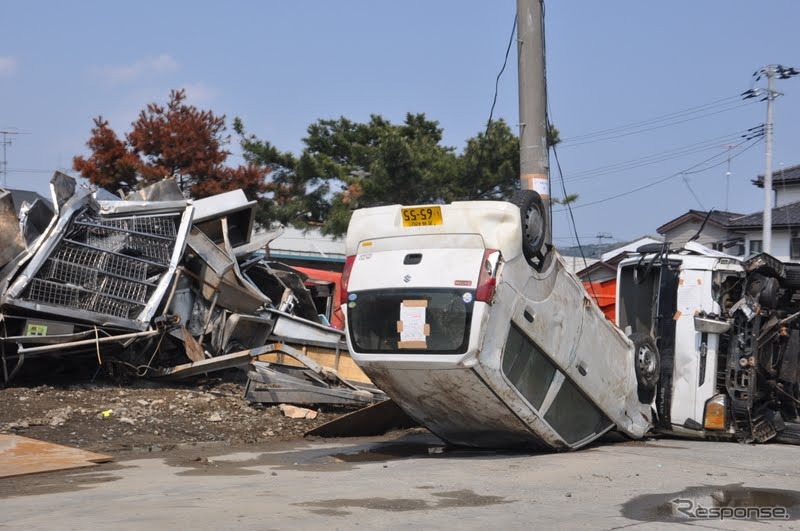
point(178, 141)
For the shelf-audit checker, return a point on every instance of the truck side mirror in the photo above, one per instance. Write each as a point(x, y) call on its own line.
point(709, 325)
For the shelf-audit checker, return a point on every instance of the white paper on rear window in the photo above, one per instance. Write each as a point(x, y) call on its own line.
point(412, 326)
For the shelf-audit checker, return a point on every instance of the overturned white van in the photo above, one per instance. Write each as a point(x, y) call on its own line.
point(475, 328)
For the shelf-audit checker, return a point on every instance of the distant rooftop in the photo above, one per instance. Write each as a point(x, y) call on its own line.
point(308, 244)
point(717, 217)
point(782, 216)
point(781, 177)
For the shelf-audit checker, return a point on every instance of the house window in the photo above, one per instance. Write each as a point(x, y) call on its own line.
point(718, 246)
point(755, 246)
point(795, 248)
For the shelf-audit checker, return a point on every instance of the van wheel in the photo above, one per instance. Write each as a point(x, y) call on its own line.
point(647, 361)
point(531, 209)
point(790, 434)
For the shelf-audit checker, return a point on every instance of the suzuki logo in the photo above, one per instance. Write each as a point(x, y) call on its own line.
point(407, 279)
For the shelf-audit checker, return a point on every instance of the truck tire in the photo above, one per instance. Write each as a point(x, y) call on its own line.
point(534, 229)
point(647, 362)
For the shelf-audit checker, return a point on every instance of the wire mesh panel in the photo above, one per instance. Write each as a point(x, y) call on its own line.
point(106, 264)
point(54, 293)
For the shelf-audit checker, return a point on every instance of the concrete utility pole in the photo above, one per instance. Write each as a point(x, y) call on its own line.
point(766, 237)
point(534, 163)
point(770, 72)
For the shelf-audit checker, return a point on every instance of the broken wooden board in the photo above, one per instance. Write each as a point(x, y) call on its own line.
point(21, 455)
point(340, 361)
point(366, 422)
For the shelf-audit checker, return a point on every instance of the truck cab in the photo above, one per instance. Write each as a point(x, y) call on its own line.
point(728, 339)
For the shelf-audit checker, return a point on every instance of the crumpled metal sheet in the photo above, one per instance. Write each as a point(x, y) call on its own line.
point(62, 188)
point(164, 190)
point(34, 220)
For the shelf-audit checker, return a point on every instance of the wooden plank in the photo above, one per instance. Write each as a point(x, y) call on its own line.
point(346, 368)
point(21, 455)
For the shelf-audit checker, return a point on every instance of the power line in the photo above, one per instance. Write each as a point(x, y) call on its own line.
point(648, 121)
point(647, 160)
point(605, 138)
point(753, 142)
point(494, 102)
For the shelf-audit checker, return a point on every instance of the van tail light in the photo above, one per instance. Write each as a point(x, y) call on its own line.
point(348, 266)
point(715, 417)
point(487, 281)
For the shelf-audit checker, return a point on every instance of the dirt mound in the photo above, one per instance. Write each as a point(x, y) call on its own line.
point(146, 416)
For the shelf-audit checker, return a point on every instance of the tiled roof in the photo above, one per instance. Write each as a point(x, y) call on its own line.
point(783, 216)
point(718, 217)
point(790, 175)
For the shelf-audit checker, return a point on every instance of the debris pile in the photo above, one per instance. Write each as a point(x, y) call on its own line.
point(160, 286)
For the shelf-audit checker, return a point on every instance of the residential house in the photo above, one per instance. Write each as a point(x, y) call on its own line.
point(742, 234)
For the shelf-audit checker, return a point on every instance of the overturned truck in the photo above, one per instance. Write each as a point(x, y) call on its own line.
point(157, 285)
point(728, 334)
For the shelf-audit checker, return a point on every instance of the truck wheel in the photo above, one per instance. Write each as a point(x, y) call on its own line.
point(647, 361)
point(531, 209)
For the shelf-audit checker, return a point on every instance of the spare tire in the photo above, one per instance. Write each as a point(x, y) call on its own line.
point(646, 360)
point(534, 224)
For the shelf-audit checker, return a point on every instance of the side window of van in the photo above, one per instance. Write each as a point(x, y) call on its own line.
point(527, 368)
point(573, 416)
point(570, 414)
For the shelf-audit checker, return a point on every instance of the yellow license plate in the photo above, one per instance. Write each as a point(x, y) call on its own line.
point(422, 216)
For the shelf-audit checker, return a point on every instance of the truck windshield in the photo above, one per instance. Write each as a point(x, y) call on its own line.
point(413, 321)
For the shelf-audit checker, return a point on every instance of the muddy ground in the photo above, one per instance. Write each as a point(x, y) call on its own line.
point(104, 416)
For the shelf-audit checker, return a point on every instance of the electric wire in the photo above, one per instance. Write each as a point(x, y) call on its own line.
point(574, 226)
point(645, 130)
point(656, 119)
point(478, 168)
point(753, 142)
point(646, 160)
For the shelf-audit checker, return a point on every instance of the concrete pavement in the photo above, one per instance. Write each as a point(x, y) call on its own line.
point(412, 482)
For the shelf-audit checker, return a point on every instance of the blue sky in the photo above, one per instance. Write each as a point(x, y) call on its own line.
point(282, 65)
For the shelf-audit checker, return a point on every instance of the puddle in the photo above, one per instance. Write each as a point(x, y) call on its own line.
point(327, 458)
point(389, 452)
point(715, 502)
point(61, 481)
point(439, 500)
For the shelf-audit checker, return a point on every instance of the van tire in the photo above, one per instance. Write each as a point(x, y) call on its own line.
point(790, 434)
point(534, 224)
point(647, 361)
